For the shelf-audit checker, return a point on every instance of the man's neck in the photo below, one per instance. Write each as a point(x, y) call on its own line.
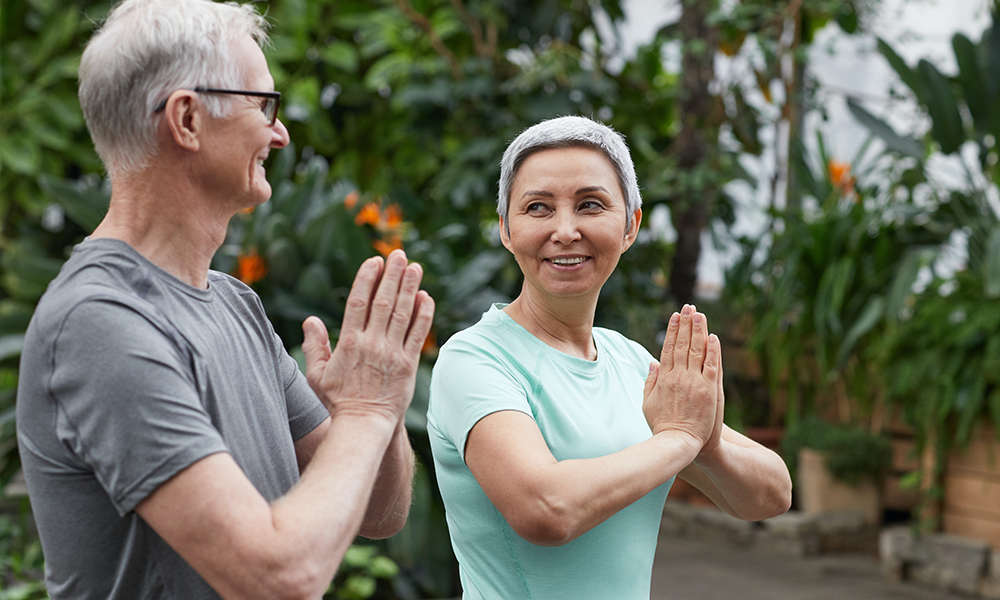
point(172, 226)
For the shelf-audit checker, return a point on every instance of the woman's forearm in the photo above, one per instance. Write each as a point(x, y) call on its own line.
point(743, 478)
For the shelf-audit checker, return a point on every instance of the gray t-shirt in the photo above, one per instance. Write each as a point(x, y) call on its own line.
point(128, 376)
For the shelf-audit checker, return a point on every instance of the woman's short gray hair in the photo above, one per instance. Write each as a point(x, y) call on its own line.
point(569, 132)
point(146, 50)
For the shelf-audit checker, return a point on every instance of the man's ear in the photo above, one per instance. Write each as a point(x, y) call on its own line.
point(184, 118)
point(504, 235)
point(633, 230)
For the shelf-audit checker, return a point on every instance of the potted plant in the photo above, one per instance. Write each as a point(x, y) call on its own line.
point(942, 367)
point(838, 467)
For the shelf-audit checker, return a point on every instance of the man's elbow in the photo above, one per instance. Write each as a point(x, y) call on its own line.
point(386, 527)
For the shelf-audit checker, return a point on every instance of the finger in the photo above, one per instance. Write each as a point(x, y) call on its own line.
point(401, 321)
point(683, 345)
point(699, 337)
point(712, 369)
point(667, 352)
point(722, 393)
point(654, 371)
point(360, 298)
point(315, 346)
point(384, 302)
point(422, 319)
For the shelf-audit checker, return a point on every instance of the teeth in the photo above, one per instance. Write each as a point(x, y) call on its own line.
point(568, 261)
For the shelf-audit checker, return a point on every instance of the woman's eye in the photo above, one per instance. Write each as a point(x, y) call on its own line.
point(590, 205)
point(536, 207)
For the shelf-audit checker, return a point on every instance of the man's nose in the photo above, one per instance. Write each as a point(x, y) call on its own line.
point(279, 134)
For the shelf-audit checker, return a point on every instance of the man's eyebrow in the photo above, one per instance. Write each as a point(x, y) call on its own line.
point(538, 193)
point(592, 188)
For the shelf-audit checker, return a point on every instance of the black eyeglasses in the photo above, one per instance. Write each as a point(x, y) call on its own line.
point(269, 107)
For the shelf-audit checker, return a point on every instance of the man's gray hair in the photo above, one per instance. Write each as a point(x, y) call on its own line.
point(569, 132)
point(146, 50)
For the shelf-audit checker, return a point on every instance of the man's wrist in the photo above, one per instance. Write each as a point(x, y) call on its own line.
point(365, 417)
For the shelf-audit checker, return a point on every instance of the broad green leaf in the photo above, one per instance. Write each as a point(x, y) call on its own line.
point(970, 77)
point(946, 121)
point(20, 153)
point(991, 58)
point(908, 75)
point(341, 55)
point(991, 265)
point(315, 284)
point(474, 275)
point(10, 346)
point(85, 201)
point(902, 283)
point(868, 319)
point(906, 146)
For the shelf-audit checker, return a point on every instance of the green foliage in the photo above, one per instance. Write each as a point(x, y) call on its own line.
point(823, 284)
point(21, 563)
point(359, 573)
point(852, 454)
point(942, 365)
point(41, 125)
point(974, 91)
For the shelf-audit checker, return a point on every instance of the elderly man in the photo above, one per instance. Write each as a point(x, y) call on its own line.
point(162, 426)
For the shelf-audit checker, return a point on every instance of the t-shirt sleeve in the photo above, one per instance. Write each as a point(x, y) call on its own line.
point(469, 383)
point(128, 401)
point(305, 411)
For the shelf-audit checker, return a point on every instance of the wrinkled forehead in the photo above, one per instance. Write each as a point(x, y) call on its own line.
point(562, 158)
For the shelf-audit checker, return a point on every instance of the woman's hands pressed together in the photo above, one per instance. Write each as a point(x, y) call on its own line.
point(683, 392)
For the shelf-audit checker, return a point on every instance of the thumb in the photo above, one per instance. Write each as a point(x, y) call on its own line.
point(654, 372)
point(316, 345)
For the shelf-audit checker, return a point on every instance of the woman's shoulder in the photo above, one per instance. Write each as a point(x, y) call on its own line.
point(620, 346)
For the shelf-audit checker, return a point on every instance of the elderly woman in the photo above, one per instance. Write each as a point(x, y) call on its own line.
point(555, 441)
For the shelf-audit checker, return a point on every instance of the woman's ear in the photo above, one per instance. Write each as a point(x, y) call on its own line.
point(505, 235)
point(632, 231)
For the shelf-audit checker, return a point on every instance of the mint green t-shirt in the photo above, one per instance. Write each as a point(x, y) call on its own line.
point(584, 409)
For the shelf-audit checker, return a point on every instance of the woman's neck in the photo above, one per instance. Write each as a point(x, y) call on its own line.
point(566, 325)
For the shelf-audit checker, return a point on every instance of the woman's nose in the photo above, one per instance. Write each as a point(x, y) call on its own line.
point(566, 228)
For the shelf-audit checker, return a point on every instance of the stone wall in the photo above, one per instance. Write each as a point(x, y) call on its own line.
point(941, 560)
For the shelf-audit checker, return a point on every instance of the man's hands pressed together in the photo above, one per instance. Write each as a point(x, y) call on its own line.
point(373, 368)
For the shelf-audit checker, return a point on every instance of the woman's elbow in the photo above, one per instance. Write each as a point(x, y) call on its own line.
point(546, 524)
point(773, 500)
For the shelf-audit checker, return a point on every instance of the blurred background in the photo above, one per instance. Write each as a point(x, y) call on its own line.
point(819, 176)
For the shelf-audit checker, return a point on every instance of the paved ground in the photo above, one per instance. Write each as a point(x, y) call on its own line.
point(691, 569)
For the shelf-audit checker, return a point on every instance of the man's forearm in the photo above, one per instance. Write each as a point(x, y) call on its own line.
point(389, 504)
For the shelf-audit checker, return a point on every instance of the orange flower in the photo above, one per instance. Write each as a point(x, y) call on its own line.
point(250, 268)
point(430, 344)
point(393, 216)
point(840, 176)
point(368, 214)
point(351, 199)
point(385, 247)
point(247, 211)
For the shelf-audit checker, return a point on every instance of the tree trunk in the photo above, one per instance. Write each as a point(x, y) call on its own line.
point(692, 206)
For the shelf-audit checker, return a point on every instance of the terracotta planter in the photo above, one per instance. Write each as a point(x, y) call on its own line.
point(817, 491)
point(971, 505)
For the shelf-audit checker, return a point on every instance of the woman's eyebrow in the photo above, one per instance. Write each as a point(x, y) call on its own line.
point(591, 189)
point(538, 193)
